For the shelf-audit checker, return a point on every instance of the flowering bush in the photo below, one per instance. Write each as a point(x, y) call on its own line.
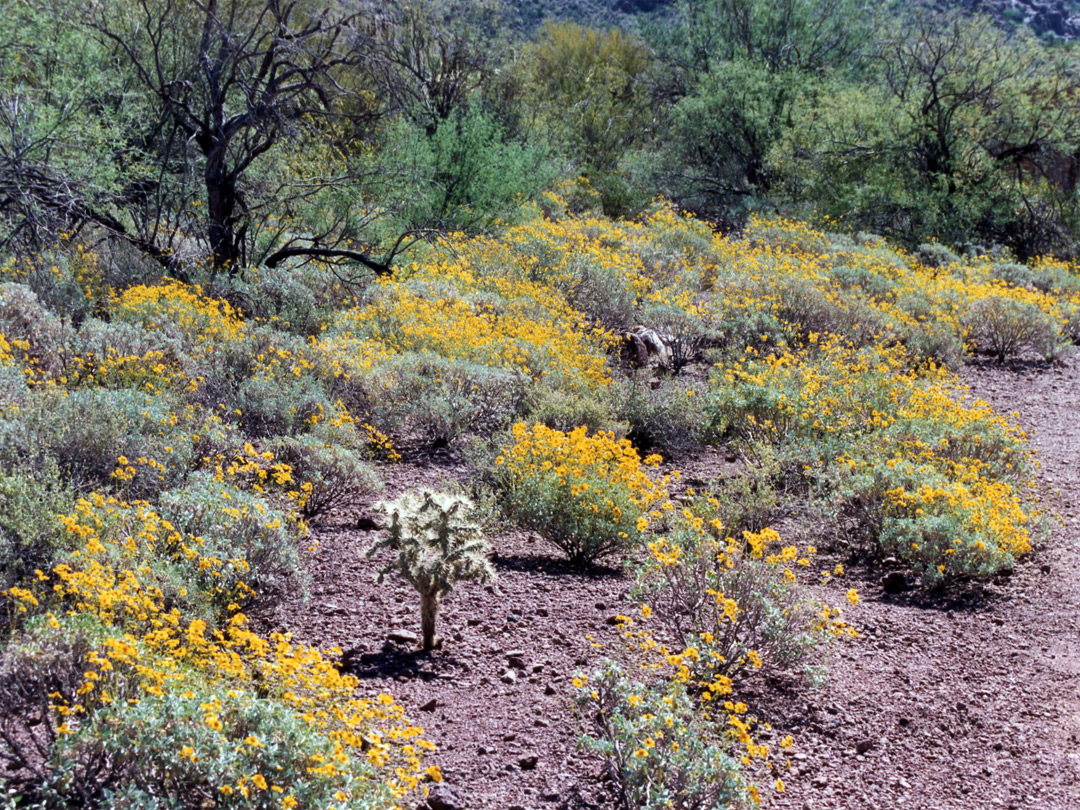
point(659, 751)
point(587, 495)
point(731, 605)
point(859, 426)
point(330, 477)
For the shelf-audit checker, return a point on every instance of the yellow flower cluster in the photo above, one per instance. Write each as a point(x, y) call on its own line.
point(172, 304)
point(157, 650)
point(588, 495)
point(453, 310)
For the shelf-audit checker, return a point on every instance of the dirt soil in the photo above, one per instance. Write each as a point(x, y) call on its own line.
point(968, 699)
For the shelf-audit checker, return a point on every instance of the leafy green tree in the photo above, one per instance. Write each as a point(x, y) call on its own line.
point(963, 132)
point(735, 68)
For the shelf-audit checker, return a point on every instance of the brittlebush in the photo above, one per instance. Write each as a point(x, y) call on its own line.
point(587, 495)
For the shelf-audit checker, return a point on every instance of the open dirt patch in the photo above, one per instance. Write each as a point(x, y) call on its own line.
point(965, 699)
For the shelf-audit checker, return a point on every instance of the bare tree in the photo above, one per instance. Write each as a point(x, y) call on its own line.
point(231, 80)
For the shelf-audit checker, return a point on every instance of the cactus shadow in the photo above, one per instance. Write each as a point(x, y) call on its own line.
point(394, 661)
point(553, 567)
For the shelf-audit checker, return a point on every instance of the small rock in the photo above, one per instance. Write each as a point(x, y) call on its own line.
point(1045, 568)
point(472, 622)
point(863, 746)
point(509, 736)
point(441, 797)
point(601, 606)
point(366, 524)
point(894, 582)
point(528, 762)
point(430, 705)
point(403, 637)
point(542, 612)
point(819, 782)
point(550, 690)
point(509, 676)
point(540, 722)
point(514, 662)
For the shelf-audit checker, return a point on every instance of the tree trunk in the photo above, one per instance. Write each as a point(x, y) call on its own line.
point(221, 203)
point(429, 610)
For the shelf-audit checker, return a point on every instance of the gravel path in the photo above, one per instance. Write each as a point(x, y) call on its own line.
point(973, 701)
point(961, 702)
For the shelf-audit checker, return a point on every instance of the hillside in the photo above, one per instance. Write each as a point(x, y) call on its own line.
point(419, 406)
point(207, 463)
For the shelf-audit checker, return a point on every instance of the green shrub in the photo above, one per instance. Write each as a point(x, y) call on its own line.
point(23, 317)
point(1004, 327)
point(270, 406)
point(255, 541)
point(732, 598)
point(658, 749)
point(943, 527)
point(665, 419)
point(300, 300)
point(565, 410)
point(122, 440)
point(30, 534)
point(431, 400)
point(935, 256)
point(227, 742)
point(330, 477)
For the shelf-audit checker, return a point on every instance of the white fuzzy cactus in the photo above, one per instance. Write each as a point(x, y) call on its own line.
point(437, 547)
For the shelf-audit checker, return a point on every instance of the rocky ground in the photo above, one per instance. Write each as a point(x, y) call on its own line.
point(968, 699)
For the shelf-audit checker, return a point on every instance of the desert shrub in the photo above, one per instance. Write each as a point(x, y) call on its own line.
point(180, 312)
point(30, 533)
point(733, 600)
point(682, 329)
point(270, 406)
point(935, 256)
point(1013, 274)
point(1070, 323)
point(102, 439)
point(114, 719)
point(431, 400)
point(1004, 327)
point(934, 342)
point(253, 542)
point(260, 755)
point(330, 477)
point(943, 527)
point(38, 669)
point(746, 324)
point(301, 300)
point(665, 419)
point(565, 410)
point(99, 338)
point(587, 495)
point(659, 751)
point(864, 281)
point(13, 388)
point(857, 426)
point(46, 339)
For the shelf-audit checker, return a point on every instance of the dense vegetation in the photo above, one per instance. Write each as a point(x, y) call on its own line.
point(244, 270)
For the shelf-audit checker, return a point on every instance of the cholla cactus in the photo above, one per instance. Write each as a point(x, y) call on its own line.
point(437, 546)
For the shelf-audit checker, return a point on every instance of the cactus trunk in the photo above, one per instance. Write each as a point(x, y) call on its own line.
point(429, 610)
